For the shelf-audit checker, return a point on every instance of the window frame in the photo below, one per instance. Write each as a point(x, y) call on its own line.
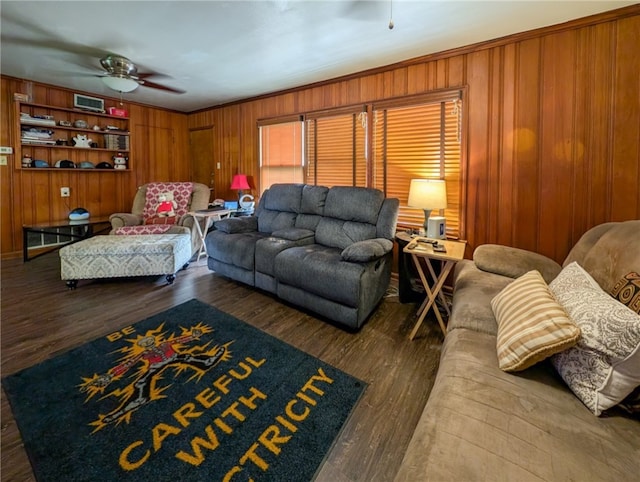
point(434, 97)
point(368, 110)
point(279, 121)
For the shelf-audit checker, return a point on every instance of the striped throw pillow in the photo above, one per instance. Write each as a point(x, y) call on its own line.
point(532, 325)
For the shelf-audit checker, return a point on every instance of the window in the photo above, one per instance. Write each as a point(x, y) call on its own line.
point(410, 138)
point(336, 147)
point(421, 140)
point(281, 158)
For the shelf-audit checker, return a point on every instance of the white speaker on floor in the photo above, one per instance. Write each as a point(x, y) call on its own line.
point(436, 227)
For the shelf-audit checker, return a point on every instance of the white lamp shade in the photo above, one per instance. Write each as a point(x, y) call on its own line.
point(120, 84)
point(427, 194)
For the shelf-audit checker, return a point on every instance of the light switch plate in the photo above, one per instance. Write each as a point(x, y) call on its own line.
point(3, 160)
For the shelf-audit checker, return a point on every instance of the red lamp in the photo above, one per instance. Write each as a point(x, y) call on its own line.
point(239, 183)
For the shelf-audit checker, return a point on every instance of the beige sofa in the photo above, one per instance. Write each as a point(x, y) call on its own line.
point(483, 424)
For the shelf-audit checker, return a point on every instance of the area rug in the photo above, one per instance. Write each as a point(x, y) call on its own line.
point(190, 394)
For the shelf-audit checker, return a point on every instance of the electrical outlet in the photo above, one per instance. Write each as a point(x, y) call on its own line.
point(65, 192)
point(3, 160)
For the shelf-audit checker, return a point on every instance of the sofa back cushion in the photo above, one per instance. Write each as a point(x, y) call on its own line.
point(279, 207)
point(283, 197)
point(313, 200)
point(357, 204)
point(337, 233)
point(608, 252)
point(270, 221)
point(350, 215)
point(312, 207)
point(340, 215)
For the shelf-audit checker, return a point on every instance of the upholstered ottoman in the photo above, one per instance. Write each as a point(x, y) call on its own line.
point(121, 256)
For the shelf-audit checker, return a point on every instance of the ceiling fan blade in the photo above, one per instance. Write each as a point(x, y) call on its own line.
point(47, 38)
point(153, 85)
point(146, 75)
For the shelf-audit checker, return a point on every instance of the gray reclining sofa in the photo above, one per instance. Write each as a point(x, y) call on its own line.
point(328, 250)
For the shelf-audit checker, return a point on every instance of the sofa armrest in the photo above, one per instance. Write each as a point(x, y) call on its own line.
point(244, 224)
point(119, 220)
point(514, 262)
point(367, 250)
point(294, 234)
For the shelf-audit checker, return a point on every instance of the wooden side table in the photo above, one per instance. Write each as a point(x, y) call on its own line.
point(422, 253)
point(208, 217)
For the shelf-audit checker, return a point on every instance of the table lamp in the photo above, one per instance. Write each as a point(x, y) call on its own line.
point(428, 194)
point(239, 183)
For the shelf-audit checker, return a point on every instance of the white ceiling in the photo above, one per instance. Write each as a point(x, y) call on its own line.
point(222, 51)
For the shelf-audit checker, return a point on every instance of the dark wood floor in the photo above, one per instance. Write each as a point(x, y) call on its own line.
point(41, 318)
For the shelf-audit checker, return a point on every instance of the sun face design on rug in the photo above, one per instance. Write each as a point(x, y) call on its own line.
point(153, 352)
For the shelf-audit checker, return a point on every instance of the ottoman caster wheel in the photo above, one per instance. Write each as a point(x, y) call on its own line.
point(72, 284)
point(171, 278)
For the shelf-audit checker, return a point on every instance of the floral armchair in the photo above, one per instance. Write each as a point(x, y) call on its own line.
point(143, 219)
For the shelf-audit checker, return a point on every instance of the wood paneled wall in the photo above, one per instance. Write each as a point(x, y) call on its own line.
point(551, 127)
point(159, 152)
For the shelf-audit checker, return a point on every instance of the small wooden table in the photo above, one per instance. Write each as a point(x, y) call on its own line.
point(208, 217)
point(421, 250)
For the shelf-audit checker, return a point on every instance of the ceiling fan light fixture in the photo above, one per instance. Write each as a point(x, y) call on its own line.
point(120, 83)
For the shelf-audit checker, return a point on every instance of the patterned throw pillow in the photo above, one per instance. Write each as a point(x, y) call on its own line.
point(181, 195)
point(604, 367)
point(627, 291)
point(531, 324)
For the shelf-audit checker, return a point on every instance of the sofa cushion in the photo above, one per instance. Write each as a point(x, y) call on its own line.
point(270, 221)
point(313, 199)
point(482, 424)
point(388, 218)
point(473, 291)
point(338, 233)
point(320, 270)
point(283, 197)
point(245, 224)
point(604, 367)
point(308, 221)
point(354, 204)
point(514, 262)
point(532, 325)
point(627, 291)
point(293, 234)
point(236, 249)
point(266, 251)
point(612, 255)
point(368, 250)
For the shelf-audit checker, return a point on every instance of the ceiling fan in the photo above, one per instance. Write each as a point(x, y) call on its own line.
point(122, 75)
